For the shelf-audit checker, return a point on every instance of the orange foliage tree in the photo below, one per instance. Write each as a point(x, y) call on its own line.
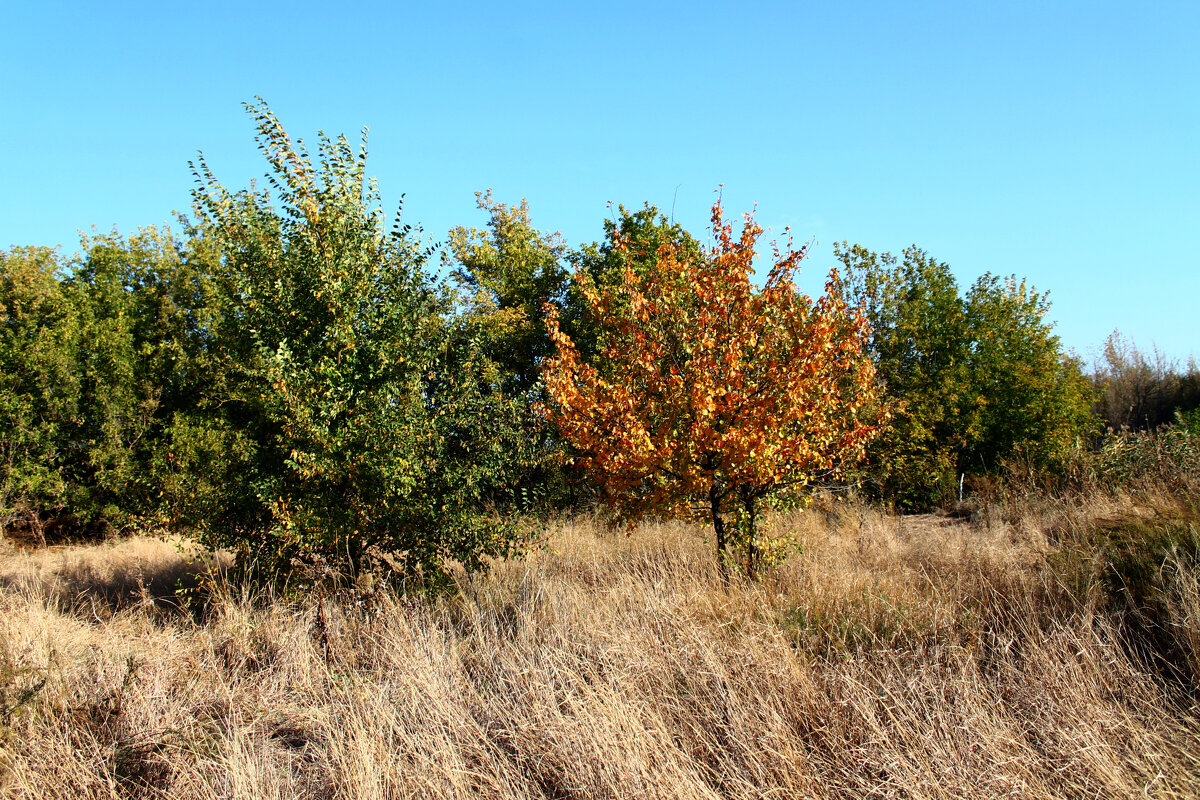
point(709, 394)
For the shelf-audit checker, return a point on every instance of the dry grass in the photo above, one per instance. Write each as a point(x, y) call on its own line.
point(915, 658)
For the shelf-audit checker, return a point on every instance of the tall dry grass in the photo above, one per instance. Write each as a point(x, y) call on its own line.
point(887, 657)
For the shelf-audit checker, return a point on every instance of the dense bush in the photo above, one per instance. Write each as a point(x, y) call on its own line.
point(357, 424)
point(1168, 458)
point(505, 275)
point(288, 382)
point(39, 385)
point(98, 354)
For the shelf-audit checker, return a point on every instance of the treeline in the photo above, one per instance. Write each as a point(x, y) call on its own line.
point(286, 376)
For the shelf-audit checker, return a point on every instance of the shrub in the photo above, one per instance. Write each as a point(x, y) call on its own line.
point(355, 424)
point(39, 384)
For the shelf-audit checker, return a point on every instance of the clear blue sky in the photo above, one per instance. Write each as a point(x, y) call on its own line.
point(1056, 140)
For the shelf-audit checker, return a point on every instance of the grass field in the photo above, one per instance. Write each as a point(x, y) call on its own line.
point(916, 657)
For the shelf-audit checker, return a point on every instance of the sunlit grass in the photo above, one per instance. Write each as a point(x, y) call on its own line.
point(884, 657)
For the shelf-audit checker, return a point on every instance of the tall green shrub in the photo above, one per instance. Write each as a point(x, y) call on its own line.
point(98, 354)
point(358, 424)
point(39, 385)
point(139, 358)
point(506, 274)
point(631, 243)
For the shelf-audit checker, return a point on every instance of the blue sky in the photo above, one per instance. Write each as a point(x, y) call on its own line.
point(1057, 141)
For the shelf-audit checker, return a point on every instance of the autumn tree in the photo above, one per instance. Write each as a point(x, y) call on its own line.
point(708, 394)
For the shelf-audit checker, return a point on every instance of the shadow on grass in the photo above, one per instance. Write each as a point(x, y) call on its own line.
point(99, 580)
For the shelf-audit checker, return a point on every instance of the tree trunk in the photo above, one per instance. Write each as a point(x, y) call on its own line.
point(714, 500)
point(752, 552)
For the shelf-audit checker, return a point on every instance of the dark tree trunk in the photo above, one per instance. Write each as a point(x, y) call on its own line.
point(714, 500)
point(752, 552)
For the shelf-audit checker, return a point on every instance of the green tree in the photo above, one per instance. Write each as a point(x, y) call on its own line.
point(360, 425)
point(631, 241)
point(508, 272)
point(89, 359)
point(140, 362)
point(972, 381)
point(919, 340)
point(39, 385)
point(1031, 400)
